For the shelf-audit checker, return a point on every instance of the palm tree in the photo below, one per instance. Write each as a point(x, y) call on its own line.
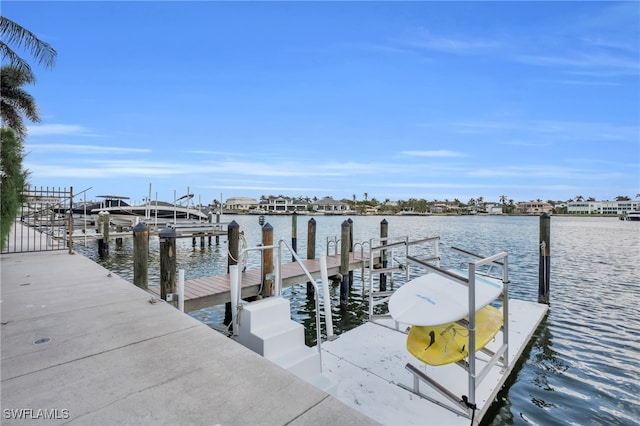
point(15, 101)
point(14, 34)
point(12, 181)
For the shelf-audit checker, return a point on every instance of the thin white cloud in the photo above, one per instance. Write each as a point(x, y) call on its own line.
point(456, 44)
point(605, 64)
point(59, 130)
point(292, 168)
point(271, 189)
point(439, 153)
point(82, 149)
point(567, 130)
point(555, 172)
point(207, 152)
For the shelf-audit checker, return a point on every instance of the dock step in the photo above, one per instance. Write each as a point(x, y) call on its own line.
point(266, 328)
point(264, 312)
point(278, 338)
point(323, 383)
point(303, 361)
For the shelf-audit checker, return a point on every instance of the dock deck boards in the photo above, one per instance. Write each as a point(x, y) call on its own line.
point(215, 290)
point(369, 361)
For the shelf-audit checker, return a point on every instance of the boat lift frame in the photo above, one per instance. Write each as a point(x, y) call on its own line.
point(385, 249)
point(466, 404)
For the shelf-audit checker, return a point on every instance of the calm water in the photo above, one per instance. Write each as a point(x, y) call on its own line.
point(583, 365)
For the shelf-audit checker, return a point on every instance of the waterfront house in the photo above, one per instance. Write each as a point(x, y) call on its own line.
point(240, 204)
point(613, 208)
point(281, 204)
point(533, 207)
point(330, 206)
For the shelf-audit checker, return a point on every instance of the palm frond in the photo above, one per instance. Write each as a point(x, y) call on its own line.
point(15, 60)
point(16, 35)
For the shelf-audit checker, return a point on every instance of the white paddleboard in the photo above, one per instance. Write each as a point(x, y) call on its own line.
point(432, 299)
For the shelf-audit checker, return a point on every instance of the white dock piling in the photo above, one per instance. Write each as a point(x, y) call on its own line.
point(327, 297)
point(181, 290)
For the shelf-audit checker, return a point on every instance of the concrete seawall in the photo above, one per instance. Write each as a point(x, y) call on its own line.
point(83, 346)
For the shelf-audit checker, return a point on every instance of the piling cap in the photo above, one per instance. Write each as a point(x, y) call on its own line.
point(140, 227)
point(267, 227)
point(167, 233)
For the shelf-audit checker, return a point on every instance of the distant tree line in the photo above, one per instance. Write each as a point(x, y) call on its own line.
point(421, 205)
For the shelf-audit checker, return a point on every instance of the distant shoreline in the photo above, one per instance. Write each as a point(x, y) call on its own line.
point(612, 216)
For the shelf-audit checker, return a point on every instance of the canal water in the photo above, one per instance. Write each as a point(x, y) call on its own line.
point(583, 365)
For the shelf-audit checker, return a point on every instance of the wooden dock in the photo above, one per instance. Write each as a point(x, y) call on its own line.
point(210, 291)
point(194, 231)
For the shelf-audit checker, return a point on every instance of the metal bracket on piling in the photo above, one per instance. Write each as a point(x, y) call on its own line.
point(172, 297)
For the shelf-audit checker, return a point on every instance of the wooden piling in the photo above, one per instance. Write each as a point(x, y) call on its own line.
point(233, 242)
point(168, 264)
point(103, 243)
point(118, 239)
point(545, 258)
point(350, 250)
point(311, 249)
point(217, 223)
point(267, 260)
point(141, 255)
point(344, 264)
point(384, 233)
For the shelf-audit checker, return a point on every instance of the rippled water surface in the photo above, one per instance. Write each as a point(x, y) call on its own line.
point(583, 365)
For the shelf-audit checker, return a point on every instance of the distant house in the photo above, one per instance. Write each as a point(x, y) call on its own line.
point(282, 204)
point(533, 207)
point(371, 209)
point(239, 204)
point(445, 207)
point(602, 207)
point(493, 208)
point(330, 206)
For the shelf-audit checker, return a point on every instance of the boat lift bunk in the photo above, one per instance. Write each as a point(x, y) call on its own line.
point(476, 367)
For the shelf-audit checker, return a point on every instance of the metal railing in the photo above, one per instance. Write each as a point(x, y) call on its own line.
point(44, 221)
point(387, 249)
point(235, 295)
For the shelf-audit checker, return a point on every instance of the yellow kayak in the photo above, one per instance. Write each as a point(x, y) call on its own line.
point(447, 343)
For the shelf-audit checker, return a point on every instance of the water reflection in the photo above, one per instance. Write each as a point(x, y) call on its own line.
point(582, 366)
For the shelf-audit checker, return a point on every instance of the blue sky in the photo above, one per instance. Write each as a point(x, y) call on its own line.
point(399, 100)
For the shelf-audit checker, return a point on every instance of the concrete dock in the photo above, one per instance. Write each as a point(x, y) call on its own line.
point(82, 346)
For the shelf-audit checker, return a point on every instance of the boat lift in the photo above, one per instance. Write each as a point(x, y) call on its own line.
point(464, 405)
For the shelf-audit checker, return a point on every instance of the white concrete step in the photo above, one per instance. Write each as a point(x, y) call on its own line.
point(303, 361)
point(323, 383)
point(263, 313)
point(276, 339)
point(266, 328)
